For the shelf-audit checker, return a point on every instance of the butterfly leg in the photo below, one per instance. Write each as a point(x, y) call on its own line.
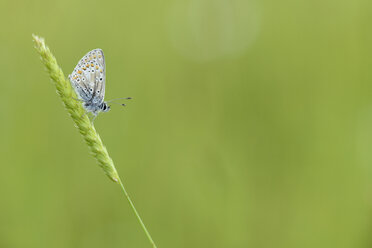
point(79, 100)
point(85, 113)
point(95, 116)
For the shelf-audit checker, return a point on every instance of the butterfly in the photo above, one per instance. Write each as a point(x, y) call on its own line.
point(88, 80)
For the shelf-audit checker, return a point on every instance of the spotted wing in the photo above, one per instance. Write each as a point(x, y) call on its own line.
point(88, 77)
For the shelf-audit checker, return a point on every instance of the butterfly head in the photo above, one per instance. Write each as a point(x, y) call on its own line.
point(104, 107)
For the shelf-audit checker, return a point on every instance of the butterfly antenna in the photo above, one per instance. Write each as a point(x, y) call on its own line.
point(122, 104)
point(112, 100)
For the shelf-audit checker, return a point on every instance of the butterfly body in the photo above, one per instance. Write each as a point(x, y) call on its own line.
point(90, 107)
point(88, 80)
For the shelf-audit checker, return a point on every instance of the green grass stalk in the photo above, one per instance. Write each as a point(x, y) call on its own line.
point(82, 121)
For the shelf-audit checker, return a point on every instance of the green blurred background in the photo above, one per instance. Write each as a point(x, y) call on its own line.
point(251, 124)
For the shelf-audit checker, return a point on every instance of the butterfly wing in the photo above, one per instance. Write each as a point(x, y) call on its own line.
point(100, 77)
point(88, 77)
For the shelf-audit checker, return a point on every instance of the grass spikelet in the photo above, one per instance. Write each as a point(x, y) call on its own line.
point(76, 110)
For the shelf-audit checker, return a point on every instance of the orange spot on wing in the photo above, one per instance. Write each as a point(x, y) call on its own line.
point(79, 72)
point(91, 64)
point(97, 67)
